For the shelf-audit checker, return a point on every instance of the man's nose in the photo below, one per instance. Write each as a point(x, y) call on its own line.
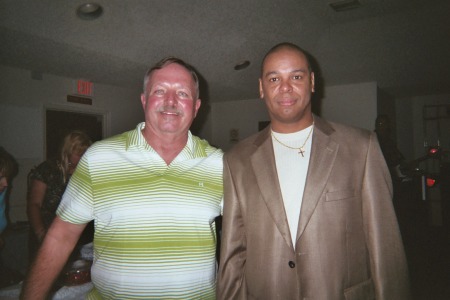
point(171, 97)
point(286, 86)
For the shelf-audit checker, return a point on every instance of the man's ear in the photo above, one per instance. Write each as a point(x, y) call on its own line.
point(198, 103)
point(261, 92)
point(312, 83)
point(143, 100)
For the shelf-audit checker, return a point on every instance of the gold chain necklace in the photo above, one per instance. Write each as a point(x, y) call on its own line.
point(300, 149)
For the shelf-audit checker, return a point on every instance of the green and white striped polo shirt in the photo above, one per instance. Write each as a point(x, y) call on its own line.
point(154, 224)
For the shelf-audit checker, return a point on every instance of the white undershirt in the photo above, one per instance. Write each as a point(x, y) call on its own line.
point(292, 169)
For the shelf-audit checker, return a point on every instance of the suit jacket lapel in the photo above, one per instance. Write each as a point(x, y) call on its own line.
point(323, 154)
point(263, 163)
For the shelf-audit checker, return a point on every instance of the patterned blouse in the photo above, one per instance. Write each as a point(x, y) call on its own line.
point(49, 173)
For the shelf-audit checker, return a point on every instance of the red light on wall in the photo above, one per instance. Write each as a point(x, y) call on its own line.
point(431, 182)
point(85, 88)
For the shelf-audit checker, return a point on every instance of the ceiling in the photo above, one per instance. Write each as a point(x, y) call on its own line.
point(403, 45)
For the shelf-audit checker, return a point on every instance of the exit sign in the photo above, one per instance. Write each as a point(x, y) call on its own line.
point(85, 88)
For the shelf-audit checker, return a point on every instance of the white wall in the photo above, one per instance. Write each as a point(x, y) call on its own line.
point(352, 104)
point(241, 115)
point(22, 105)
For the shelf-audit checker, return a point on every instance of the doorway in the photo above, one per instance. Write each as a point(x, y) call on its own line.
point(59, 123)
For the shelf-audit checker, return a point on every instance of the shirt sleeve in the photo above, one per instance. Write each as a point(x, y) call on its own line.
point(47, 172)
point(77, 203)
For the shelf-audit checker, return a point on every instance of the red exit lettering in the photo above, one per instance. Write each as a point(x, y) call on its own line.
point(85, 87)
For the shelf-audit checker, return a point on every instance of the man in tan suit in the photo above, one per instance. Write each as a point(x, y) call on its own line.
point(308, 203)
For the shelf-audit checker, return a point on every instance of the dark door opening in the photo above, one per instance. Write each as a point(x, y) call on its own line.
point(59, 123)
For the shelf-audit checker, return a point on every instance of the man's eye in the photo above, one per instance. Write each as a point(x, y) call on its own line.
point(183, 94)
point(273, 79)
point(297, 77)
point(158, 92)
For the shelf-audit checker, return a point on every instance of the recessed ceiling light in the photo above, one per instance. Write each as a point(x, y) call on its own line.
point(242, 65)
point(89, 11)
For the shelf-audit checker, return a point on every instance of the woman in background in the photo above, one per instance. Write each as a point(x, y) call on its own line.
point(8, 168)
point(47, 183)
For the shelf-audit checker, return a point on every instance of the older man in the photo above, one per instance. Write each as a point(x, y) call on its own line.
point(154, 193)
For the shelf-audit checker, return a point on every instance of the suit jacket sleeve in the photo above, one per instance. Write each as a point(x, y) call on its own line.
point(233, 246)
point(387, 260)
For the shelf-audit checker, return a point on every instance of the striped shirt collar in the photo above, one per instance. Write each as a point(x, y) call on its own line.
point(193, 149)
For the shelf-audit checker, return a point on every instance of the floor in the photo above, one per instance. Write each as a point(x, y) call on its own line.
point(14, 255)
point(429, 263)
point(427, 245)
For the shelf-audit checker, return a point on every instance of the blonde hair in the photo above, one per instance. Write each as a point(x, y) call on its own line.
point(74, 142)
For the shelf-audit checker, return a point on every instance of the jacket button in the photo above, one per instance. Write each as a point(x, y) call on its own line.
point(291, 264)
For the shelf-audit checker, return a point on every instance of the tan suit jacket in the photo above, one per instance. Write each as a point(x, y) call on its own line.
point(348, 241)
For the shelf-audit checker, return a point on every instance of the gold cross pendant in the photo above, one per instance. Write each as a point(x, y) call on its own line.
point(301, 151)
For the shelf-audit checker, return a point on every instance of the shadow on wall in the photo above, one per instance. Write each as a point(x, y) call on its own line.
point(205, 108)
point(319, 84)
